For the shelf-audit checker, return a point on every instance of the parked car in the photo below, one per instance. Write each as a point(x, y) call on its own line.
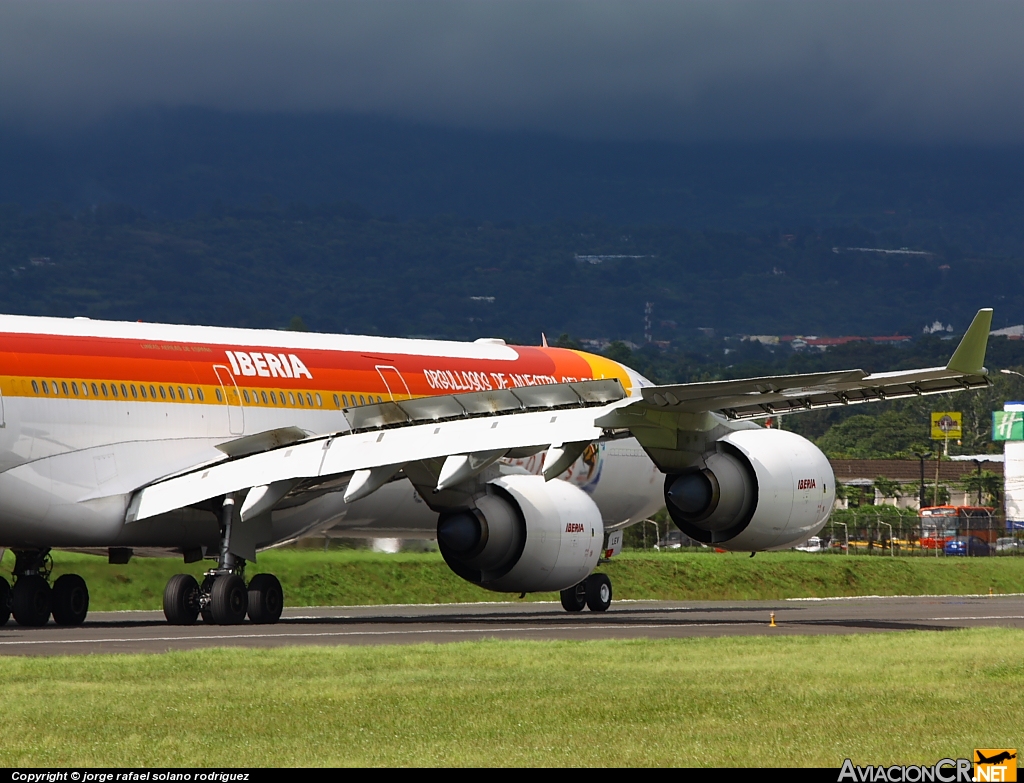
point(1009, 545)
point(967, 546)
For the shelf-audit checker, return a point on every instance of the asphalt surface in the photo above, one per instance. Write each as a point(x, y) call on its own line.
point(147, 632)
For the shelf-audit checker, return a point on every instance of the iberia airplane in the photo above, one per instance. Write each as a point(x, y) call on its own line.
point(525, 463)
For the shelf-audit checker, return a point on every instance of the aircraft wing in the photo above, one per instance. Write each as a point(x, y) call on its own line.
point(760, 397)
point(470, 431)
point(480, 427)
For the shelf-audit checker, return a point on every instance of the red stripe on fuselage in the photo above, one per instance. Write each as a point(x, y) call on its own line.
point(104, 358)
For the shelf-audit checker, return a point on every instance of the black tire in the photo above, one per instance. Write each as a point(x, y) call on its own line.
point(229, 600)
point(181, 599)
point(599, 592)
point(5, 601)
point(574, 598)
point(70, 600)
point(30, 601)
point(266, 599)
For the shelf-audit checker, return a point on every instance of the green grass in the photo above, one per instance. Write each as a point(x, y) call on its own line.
point(346, 577)
point(910, 697)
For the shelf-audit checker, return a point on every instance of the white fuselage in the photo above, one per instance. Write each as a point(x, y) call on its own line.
point(92, 411)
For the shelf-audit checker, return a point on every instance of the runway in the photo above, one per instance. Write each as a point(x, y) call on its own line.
point(147, 632)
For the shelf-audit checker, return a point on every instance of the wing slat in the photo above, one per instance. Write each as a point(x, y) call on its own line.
point(342, 453)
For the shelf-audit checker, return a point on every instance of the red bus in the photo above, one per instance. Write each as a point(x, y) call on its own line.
point(941, 523)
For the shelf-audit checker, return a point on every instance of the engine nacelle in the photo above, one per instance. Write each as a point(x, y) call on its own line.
point(524, 535)
point(760, 489)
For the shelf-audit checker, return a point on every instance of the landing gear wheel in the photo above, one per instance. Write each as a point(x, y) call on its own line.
point(181, 599)
point(30, 601)
point(599, 592)
point(266, 599)
point(70, 600)
point(229, 600)
point(5, 601)
point(574, 598)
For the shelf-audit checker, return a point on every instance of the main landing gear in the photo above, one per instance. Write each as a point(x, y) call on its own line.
point(223, 598)
point(32, 600)
point(594, 592)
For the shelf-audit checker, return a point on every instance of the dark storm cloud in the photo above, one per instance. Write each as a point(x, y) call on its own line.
point(933, 71)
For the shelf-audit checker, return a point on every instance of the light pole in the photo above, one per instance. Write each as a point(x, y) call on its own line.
point(878, 520)
point(922, 457)
point(657, 533)
point(977, 464)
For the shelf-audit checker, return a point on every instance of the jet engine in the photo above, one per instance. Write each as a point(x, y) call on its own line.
point(524, 535)
point(759, 489)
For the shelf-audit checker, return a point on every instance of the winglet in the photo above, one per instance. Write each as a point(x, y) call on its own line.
point(969, 356)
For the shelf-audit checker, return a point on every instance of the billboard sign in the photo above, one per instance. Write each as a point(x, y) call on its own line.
point(947, 424)
point(1008, 425)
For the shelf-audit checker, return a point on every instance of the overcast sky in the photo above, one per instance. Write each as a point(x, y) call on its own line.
point(929, 71)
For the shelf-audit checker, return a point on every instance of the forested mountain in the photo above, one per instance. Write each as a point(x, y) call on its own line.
point(342, 270)
point(363, 225)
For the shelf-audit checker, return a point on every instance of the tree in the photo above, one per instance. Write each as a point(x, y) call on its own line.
point(888, 488)
point(856, 497)
point(936, 496)
point(987, 483)
point(894, 433)
point(565, 341)
point(619, 352)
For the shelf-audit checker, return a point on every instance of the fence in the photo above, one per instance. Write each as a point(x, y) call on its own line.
point(870, 531)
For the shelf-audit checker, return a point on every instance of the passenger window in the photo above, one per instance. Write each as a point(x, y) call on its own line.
point(35, 387)
point(319, 401)
point(124, 391)
point(152, 391)
point(170, 392)
point(219, 398)
point(300, 399)
point(135, 394)
point(143, 390)
point(74, 388)
point(337, 402)
point(263, 394)
point(163, 394)
point(181, 394)
point(291, 398)
point(273, 397)
point(113, 390)
point(191, 395)
point(309, 400)
point(344, 399)
point(361, 400)
point(199, 393)
point(104, 387)
point(378, 399)
point(56, 388)
point(245, 396)
point(95, 392)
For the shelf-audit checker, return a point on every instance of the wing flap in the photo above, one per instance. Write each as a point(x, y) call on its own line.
point(366, 449)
